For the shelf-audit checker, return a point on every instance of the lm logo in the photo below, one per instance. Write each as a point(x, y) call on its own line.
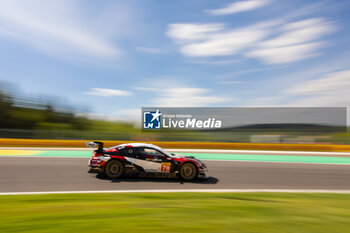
point(151, 120)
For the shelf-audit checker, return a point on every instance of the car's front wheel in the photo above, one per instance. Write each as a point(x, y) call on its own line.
point(114, 169)
point(188, 171)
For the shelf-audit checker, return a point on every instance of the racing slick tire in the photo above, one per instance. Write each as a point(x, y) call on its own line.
point(188, 171)
point(114, 169)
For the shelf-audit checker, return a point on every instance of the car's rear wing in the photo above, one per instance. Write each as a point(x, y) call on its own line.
point(94, 144)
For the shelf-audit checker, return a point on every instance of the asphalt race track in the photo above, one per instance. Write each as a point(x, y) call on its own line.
point(18, 174)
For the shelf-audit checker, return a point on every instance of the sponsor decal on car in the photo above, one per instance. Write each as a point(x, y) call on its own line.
point(165, 167)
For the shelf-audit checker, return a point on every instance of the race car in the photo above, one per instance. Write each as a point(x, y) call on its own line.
point(142, 158)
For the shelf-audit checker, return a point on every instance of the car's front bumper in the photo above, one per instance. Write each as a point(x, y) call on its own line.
point(203, 173)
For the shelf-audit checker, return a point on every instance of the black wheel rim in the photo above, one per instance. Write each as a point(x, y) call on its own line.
point(188, 171)
point(114, 169)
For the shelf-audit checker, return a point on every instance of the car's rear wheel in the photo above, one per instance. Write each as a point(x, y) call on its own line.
point(188, 171)
point(114, 169)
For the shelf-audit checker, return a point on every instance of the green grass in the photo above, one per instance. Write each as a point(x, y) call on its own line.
point(176, 212)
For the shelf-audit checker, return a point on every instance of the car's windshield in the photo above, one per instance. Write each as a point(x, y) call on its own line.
point(163, 151)
point(151, 152)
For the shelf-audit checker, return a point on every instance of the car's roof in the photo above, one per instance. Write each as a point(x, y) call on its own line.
point(141, 145)
point(137, 145)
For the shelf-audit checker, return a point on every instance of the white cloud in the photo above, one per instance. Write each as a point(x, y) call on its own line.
point(330, 90)
point(108, 92)
point(244, 72)
point(60, 28)
point(148, 50)
point(209, 40)
point(223, 44)
point(192, 31)
point(300, 32)
point(145, 88)
point(321, 86)
point(237, 7)
point(299, 40)
point(174, 94)
point(333, 84)
point(186, 97)
point(273, 41)
point(278, 55)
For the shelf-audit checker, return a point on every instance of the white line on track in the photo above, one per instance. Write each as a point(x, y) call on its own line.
point(185, 191)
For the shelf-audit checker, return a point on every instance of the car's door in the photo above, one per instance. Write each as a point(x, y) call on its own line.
point(163, 161)
point(152, 160)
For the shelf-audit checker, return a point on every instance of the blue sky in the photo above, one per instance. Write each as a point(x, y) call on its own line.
point(113, 57)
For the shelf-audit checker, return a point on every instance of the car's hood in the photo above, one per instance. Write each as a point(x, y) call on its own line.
point(201, 163)
point(186, 156)
point(183, 156)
